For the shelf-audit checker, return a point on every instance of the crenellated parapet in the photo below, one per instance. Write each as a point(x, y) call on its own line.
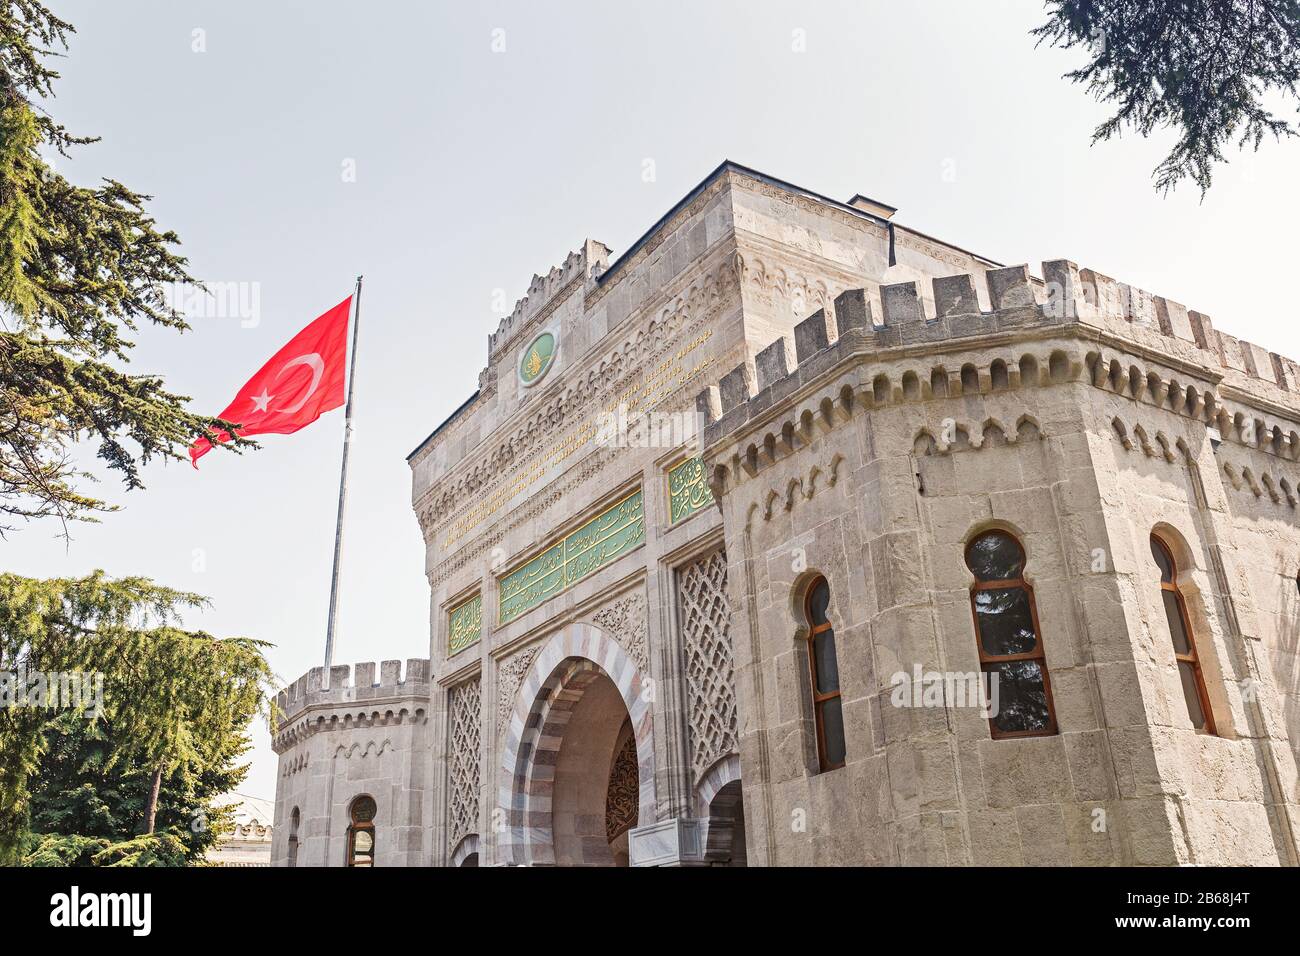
point(353, 698)
point(903, 325)
point(579, 266)
point(1117, 337)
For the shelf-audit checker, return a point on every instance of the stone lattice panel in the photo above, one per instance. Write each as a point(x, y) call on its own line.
point(710, 669)
point(462, 798)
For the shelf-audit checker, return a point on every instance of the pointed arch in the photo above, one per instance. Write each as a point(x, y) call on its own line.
point(563, 669)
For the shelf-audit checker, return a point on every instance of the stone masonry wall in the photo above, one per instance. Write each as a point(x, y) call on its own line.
point(885, 451)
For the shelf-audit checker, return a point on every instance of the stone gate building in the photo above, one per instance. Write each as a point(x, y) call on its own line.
point(794, 536)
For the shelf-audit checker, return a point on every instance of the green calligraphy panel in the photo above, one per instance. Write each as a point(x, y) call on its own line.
point(602, 540)
point(688, 492)
point(465, 624)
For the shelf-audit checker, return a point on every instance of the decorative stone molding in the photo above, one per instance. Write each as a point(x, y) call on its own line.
point(294, 732)
point(482, 545)
point(294, 765)
point(625, 621)
point(363, 750)
point(1278, 490)
point(811, 291)
point(583, 393)
point(802, 489)
point(509, 674)
point(992, 433)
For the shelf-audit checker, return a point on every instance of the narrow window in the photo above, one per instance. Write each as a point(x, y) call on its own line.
point(1010, 648)
point(825, 677)
point(1180, 631)
point(361, 834)
point(293, 837)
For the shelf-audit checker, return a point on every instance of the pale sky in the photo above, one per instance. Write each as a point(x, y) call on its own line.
point(476, 168)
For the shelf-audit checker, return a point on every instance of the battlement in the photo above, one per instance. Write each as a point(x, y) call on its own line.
point(354, 683)
point(583, 264)
point(1066, 294)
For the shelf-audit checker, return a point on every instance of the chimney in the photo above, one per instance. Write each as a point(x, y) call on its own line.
point(869, 205)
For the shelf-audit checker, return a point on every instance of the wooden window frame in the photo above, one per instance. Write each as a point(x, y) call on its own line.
point(355, 827)
point(353, 830)
point(1038, 654)
point(1192, 658)
point(819, 698)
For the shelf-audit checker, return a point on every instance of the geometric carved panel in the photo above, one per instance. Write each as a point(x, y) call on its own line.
point(710, 667)
point(462, 797)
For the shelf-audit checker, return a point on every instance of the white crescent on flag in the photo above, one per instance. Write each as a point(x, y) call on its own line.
point(317, 366)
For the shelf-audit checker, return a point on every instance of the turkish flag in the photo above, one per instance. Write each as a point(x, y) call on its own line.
point(300, 383)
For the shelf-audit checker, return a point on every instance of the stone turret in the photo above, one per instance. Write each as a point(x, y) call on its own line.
point(363, 736)
point(351, 684)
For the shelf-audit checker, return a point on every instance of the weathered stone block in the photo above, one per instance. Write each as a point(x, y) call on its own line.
point(1009, 288)
point(812, 335)
point(852, 311)
point(736, 387)
point(900, 304)
point(955, 295)
point(772, 364)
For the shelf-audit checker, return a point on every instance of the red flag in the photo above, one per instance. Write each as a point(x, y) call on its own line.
point(301, 382)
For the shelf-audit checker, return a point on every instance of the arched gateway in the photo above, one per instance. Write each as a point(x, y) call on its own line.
point(772, 319)
point(565, 778)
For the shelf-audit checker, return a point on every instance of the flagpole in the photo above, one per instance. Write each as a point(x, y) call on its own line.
point(343, 488)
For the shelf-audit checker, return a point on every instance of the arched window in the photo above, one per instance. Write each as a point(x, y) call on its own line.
point(293, 837)
point(825, 676)
point(361, 834)
point(1008, 638)
point(1180, 630)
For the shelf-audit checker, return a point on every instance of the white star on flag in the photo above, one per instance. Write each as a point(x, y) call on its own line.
point(260, 401)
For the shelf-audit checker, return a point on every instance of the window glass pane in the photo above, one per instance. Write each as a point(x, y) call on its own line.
point(818, 602)
point(833, 730)
point(1188, 675)
point(828, 670)
point(1175, 618)
point(995, 556)
point(1005, 624)
point(1163, 561)
point(1019, 696)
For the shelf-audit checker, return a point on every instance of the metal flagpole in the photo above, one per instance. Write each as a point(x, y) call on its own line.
point(343, 487)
